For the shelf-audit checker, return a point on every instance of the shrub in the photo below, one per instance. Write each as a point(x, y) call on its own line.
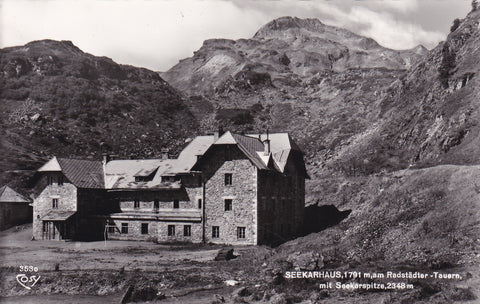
point(455, 25)
point(236, 116)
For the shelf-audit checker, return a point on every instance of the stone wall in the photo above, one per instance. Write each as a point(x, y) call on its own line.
point(242, 192)
point(157, 231)
point(195, 230)
point(134, 230)
point(186, 196)
point(67, 201)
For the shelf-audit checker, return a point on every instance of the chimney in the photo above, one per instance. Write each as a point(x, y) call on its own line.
point(164, 154)
point(216, 134)
point(106, 159)
point(266, 144)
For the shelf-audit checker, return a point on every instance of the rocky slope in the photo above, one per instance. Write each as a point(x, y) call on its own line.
point(356, 120)
point(321, 83)
point(56, 99)
point(285, 50)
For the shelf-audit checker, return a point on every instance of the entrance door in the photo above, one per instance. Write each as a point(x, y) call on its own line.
point(55, 230)
point(49, 230)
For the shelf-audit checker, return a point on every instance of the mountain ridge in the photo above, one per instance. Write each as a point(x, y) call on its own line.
point(58, 100)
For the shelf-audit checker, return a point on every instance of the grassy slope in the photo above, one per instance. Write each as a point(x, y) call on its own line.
point(425, 219)
point(58, 100)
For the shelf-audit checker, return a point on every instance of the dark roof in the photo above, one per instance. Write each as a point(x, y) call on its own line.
point(83, 173)
point(250, 146)
point(8, 195)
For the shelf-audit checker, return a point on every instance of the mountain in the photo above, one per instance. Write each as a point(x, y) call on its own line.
point(284, 50)
point(321, 83)
point(431, 115)
point(58, 100)
point(391, 138)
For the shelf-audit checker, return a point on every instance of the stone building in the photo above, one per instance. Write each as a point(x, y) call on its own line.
point(15, 208)
point(232, 189)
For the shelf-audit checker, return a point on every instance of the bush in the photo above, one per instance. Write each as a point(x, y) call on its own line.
point(455, 25)
point(236, 116)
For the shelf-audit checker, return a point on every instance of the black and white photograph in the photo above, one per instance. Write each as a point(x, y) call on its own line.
point(240, 151)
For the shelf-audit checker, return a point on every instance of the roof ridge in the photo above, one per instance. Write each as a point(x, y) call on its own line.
point(249, 137)
point(80, 159)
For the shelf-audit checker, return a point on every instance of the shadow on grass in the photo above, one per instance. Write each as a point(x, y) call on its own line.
point(318, 218)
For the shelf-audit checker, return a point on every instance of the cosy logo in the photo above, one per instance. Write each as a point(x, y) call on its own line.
point(27, 281)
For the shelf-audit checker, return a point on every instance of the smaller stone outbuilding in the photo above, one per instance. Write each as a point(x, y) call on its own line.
point(15, 209)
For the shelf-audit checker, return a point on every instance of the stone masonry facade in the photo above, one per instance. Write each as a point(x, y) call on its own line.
point(233, 192)
point(66, 195)
point(242, 192)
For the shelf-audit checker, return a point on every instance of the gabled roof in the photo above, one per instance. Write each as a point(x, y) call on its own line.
point(189, 155)
point(281, 145)
point(51, 166)
point(252, 145)
point(81, 173)
point(8, 195)
point(120, 174)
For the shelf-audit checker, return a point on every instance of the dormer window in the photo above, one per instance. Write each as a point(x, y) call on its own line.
point(49, 180)
point(145, 175)
point(60, 180)
point(170, 178)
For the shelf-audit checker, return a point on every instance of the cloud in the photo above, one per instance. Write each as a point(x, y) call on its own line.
point(390, 32)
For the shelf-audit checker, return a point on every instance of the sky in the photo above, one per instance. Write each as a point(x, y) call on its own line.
point(156, 34)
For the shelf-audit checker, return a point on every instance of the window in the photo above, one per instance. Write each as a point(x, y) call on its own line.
point(228, 179)
point(156, 205)
point(124, 228)
point(215, 231)
point(228, 205)
point(136, 204)
point(199, 203)
point(111, 228)
point(187, 230)
point(54, 203)
point(171, 230)
point(60, 180)
point(144, 228)
point(49, 179)
point(240, 232)
point(176, 204)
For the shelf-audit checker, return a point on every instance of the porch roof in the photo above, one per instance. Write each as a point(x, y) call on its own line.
point(56, 215)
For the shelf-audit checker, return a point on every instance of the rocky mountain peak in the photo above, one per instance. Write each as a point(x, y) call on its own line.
point(284, 23)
